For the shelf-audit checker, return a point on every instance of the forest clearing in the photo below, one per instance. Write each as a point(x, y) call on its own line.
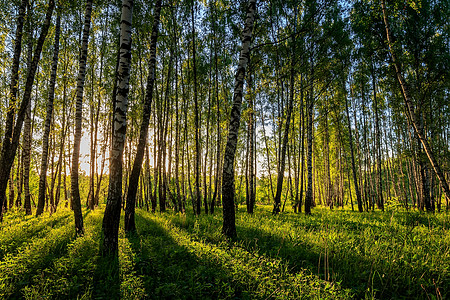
point(336, 254)
point(217, 149)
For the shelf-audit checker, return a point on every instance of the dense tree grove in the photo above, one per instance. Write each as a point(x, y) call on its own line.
point(182, 104)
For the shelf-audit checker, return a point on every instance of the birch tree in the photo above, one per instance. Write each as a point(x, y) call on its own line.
point(228, 190)
point(137, 164)
point(416, 125)
point(111, 217)
point(75, 189)
point(12, 135)
point(48, 120)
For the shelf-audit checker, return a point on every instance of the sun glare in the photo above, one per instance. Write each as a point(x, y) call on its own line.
point(85, 157)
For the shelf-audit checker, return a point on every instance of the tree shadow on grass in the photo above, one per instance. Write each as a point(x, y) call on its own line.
point(362, 272)
point(356, 272)
point(17, 238)
point(72, 275)
point(35, 261)
point(65, 271)
point(106, 281)
point(172, 271)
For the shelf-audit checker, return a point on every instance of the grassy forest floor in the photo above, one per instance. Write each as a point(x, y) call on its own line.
point(330, 255)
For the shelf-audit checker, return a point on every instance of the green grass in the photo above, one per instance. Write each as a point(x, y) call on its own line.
point(330, 255)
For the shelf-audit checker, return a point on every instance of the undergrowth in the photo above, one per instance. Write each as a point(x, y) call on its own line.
point(330, 255)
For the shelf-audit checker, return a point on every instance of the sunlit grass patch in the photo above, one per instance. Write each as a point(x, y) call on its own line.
point(131, 284)
point(71, 275)
point(233, 271)
point(375, 255)
point(336, 254)
point(16, 231)
point(17, 268)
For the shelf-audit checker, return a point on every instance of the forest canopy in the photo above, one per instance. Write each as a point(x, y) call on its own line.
point(193, 107)
point(343, 103)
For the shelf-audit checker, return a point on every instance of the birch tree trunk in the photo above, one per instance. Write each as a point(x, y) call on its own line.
point(309, 190)
point(48, 121)
point(13, 88)
point(93, 190)
point(218, 131)
point(228, 192)
point(27, 132)
point(137, 164)
point(11, 140)
point(409, 108)
point(378, 179)
point(198, 196)
point(27, 159)
point(111, 217)
point(177, 127)
point(75, 189)
point(251, 146)
point(301, 154)
point(355, 179)
point(277, 200)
